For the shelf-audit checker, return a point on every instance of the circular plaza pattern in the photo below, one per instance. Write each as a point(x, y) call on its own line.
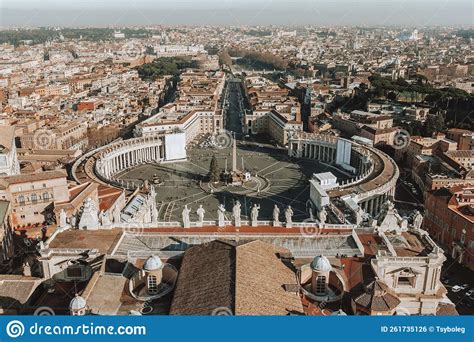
point(276, 179)
point(278, 176)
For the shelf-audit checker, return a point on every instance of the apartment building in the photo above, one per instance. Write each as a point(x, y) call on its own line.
point(6, 232)
point(449, 218)
point(273, 110)
point(420, 146)
point(196, 110)
point(64, 136)
point(463, 137)
point(32, 196)
point(9, 164)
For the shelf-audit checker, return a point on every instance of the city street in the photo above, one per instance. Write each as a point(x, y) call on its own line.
point(234, 113)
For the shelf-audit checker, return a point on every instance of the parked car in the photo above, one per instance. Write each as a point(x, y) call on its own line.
point(446, 281)
point(470, 293)
point(456, 288)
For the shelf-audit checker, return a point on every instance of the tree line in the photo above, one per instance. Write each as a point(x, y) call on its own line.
point(164, 66)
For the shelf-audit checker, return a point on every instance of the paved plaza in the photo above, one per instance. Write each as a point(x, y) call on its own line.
point(180, 183)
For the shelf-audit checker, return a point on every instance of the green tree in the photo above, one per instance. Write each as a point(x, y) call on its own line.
point(214, 171)
point(433, 124)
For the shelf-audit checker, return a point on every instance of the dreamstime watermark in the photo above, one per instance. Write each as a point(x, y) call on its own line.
point(222, 311)
point(215, 236)
point(43, 139)
point(401, 139)
point(15, 329)
point(223, 139)
point(44, 311)
point(310, 228)
point(134, 228)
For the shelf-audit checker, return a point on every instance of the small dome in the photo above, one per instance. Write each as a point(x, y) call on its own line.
point(153, 263)
point(321, 264)
point(77, 303)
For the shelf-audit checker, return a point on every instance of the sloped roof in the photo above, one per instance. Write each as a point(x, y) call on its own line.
point(247, 278)
point(260, 280)
point(7, 136)
point(34, 177)
point(446, 309)
point(15, 290)
point(206, 280)
point(378, 297)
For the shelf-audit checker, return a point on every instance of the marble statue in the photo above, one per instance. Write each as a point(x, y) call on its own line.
point(236, 213)
point(288, 216)
point(323, 215)
point(152, 199)
point(276, 216)
point(310, 210)
point(62, 219)
point(116, 215)
point(404, 225)
point(90, 216)
point(359, 218)
point(390, 205)
point(200, 213)
point(185, 216)
point(73, 221)
point(417, 220)
point(26, 269)
point(254, 214)
point(104, 219)
point(146, 185)
point(389, 220)
point(152, 193)
point(221, 215)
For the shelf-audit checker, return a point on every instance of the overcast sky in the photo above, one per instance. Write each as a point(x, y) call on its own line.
point(412, 13)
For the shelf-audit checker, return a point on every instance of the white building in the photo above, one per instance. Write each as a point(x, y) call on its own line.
point(177, 50)
point(9, 165)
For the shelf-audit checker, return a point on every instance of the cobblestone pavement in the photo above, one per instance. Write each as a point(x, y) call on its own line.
point(180, 182)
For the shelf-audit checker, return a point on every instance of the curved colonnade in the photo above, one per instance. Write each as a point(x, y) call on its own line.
point(105, 163)
point(371, 185)
point(376, 173)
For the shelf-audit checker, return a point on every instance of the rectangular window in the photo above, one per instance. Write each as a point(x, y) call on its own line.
point(406, 281)
point(321, 284)
point(403, 281)
point(152, 286)
point(74, 272)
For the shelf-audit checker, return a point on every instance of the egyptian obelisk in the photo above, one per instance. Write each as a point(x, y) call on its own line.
point(234, 154)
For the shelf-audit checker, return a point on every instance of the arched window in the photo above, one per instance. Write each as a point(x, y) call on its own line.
point(152, 285)
point(34, 198)
point(21, 199)
point(45, 196)
point(321, 285)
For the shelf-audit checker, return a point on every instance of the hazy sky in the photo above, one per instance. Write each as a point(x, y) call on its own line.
point(413, 13)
